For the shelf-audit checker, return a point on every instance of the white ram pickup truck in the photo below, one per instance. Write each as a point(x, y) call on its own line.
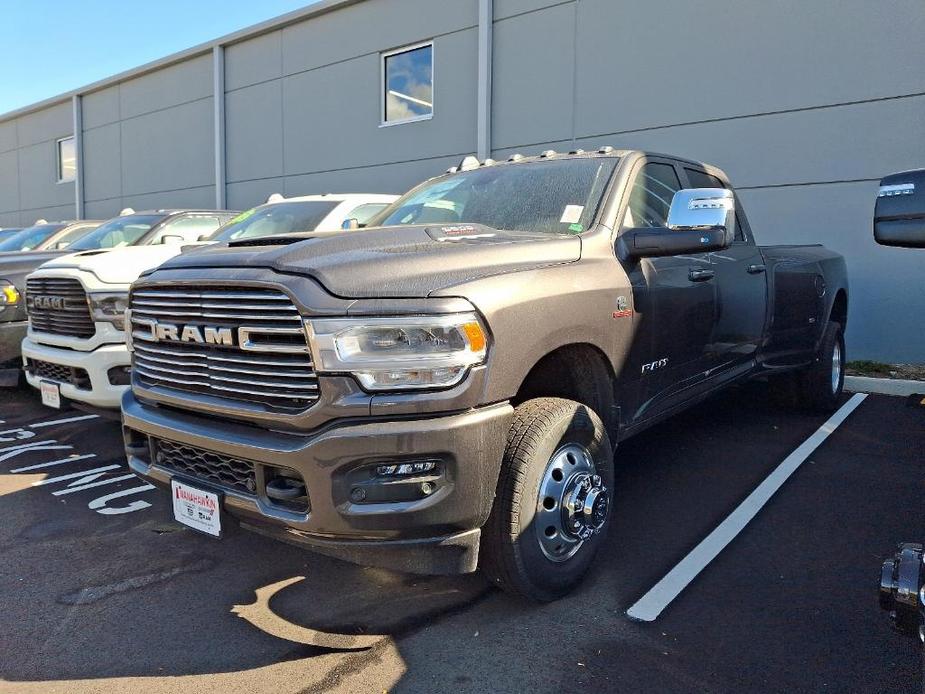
point(75, 347)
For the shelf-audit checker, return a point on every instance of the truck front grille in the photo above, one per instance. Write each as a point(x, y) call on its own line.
point(223, 470)
point(58, 305)
point(244, 344)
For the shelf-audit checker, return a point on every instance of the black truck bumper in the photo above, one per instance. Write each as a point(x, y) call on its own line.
point(423, 522)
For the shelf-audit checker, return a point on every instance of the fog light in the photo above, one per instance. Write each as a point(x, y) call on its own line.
point(120, 375)
point(406, 468)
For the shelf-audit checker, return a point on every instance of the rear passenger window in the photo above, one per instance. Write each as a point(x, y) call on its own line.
point(650, 198)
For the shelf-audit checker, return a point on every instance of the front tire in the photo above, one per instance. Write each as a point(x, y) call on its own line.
point(552, 507)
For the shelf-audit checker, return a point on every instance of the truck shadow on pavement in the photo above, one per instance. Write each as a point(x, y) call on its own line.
point(97, 602)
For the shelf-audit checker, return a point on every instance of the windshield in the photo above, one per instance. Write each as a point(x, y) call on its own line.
point(276, 218)
point(548, 196)
point(118, 232)
point(8, 233)
point(29, 239)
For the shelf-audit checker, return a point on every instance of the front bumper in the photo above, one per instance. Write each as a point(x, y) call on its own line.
point(433, 533)
point(100, 392)
point(11, 337)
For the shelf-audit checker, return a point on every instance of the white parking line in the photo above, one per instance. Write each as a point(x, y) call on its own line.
point(59, 461)
point(91, 485)
point(95, 473)
point(68, 420)
point(651, 605)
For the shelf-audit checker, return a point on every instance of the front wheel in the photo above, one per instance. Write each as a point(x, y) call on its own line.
point(553, 502)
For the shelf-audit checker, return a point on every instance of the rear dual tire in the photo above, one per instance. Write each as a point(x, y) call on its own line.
point(819, 386)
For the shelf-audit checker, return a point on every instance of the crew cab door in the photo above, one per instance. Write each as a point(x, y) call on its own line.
point(740, 280)
point(674, 305)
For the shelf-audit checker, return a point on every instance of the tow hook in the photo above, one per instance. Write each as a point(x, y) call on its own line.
point(285, 489)
point(901, 590)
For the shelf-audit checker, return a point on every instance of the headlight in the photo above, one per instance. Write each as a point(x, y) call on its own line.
point(9, 294)
point(402, 352)
point(109, 307)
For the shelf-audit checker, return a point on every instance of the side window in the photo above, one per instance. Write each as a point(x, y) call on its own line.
point(701, 179)
point(190, 228)
point(363, 213)
point(650, 198)
point(72, 234)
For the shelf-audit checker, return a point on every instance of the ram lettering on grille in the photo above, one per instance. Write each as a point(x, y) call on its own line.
point(246, 344)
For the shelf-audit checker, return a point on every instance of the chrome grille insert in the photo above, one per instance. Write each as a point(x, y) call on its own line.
point(58, 305)
point(265, 358)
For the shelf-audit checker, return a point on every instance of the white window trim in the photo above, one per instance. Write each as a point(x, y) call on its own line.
point(383, 123)
point(58, 164)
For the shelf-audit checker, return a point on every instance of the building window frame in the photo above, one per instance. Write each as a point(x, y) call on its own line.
point(383, 57)
point(60, 176)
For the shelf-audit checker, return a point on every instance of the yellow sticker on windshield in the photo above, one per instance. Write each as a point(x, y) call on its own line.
point(244, 215)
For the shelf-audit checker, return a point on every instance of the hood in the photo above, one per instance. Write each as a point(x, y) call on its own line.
point(407, 261)
point(117, 265)
point(15, 266)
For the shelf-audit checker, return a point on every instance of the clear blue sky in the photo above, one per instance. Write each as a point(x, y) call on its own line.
point(52, 46)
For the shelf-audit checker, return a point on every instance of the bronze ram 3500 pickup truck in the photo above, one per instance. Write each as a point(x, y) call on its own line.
point(445, 390)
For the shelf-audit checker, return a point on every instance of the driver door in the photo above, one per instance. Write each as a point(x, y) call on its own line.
point(674, 303)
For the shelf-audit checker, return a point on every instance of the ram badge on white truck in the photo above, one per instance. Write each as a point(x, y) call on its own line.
point(75, 346)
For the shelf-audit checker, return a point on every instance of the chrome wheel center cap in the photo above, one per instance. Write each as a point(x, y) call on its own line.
point(585, 507)
point(572, 504)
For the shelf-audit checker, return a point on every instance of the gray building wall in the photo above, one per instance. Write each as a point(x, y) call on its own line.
point(805, 105)
point(28, 167)
point(302, 107)
point(148, 142)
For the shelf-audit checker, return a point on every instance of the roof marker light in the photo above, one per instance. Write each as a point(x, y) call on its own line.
point(606, 149)
point(468, 163)
point(125, 211)
point(275, 197)
point(515, 157)
point(545, 154)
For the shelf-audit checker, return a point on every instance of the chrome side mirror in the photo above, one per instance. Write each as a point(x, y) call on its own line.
point(350, 224)
point(701, 208)
point(899, 215)
point(172, 239)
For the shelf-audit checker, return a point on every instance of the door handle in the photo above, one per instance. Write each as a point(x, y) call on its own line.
point(756, 269)
point(700, 275)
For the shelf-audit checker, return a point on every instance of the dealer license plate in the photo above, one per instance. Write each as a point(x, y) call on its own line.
point(51, 394)
point(197, 508)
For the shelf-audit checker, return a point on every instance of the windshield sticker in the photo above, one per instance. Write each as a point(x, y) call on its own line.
point(457, 229)
point(577, 228)
point(244, 215)
point(571, 214)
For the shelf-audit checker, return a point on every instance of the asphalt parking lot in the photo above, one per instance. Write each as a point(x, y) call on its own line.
point(101, 592)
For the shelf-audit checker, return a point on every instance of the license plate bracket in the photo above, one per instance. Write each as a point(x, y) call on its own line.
point(197, 507)
point(51, 394)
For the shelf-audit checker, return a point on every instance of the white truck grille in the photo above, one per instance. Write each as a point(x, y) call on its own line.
point(58, 305)
point(245, 344)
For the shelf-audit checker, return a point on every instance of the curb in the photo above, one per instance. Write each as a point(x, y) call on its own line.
point(883, 386)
